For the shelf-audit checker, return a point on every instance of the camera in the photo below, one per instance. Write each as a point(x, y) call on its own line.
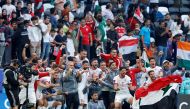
point(27, 72)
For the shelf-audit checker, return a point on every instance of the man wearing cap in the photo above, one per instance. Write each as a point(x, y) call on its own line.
point(167, 69)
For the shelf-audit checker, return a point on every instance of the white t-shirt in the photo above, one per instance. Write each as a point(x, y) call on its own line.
point(107, 13)
point(46, 37)
point(95, 71)
point(156, 70)
point(123, 84)
point(31, 91)
point(10, 8)
point(82, 84)
point(79, 60)
point(34, 34)
point(70, 47)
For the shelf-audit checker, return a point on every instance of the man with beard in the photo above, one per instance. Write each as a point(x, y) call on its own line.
point(94, 68)
point(82, 85)
point(82, 56)
point(151, 78)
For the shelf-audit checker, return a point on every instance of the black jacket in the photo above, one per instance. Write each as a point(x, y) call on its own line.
point(10, 73)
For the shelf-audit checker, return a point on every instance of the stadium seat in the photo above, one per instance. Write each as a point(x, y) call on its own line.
point(185, 2)
point(183, 17)
point(173, 10)
point(184, 10)
point(163, 10)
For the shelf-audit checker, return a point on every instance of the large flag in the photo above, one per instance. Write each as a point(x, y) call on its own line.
point(138, 14)
point(158, 95)
point(183, 52)
point(127, 46)
point(145, 58)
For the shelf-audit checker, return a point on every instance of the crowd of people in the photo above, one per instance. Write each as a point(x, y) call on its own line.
point(73, 47)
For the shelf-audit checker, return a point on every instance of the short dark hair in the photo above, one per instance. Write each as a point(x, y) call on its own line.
point(84, 62)
point(94, 92)
point(52, 10)
point(152, 58)
point(187, 75)
point(14, 62)
point(83, 50)
point(94, 59)
point(121, 68)
point(150, 72)
point(34, 18)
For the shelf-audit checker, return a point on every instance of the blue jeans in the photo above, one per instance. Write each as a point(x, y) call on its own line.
point(163, 56)
point(46, 50)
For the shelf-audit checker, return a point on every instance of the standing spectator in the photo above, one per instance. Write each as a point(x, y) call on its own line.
point(120, 29)
point(38, 7)
point(157, 69)
point(9, 7)
point(29, 9)
point(94, 68)
point(35, 36)
point(21, 37)
point(156, 15)
point(82, 86)
point(112, 38)
point(82, 56)
point(53, 19)
point(8, 32)
point(70, 86)
point(163, 33)
point(2, 39)
point(60, 40)
point(145, 34)
point(5, 15)
point(19, 9)
point(169, 21)
point(14, 28)
point(107, 13)
point(112, 57)
point(11, 84)
point(86, 41)
point(59, 6)
point(108, 83)
point(70, 45)
point(46, 28)
point(122, 85)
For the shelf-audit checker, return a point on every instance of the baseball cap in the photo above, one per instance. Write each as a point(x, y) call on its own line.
point(165, 61)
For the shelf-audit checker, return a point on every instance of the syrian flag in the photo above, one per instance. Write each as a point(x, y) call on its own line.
point(161, 94)
point(145, 58)
point(139, 15)
point(183, 52)
point(128, 46)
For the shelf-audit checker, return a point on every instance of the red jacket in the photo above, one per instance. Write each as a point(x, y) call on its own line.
point(132, 73)
point(108, 57)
